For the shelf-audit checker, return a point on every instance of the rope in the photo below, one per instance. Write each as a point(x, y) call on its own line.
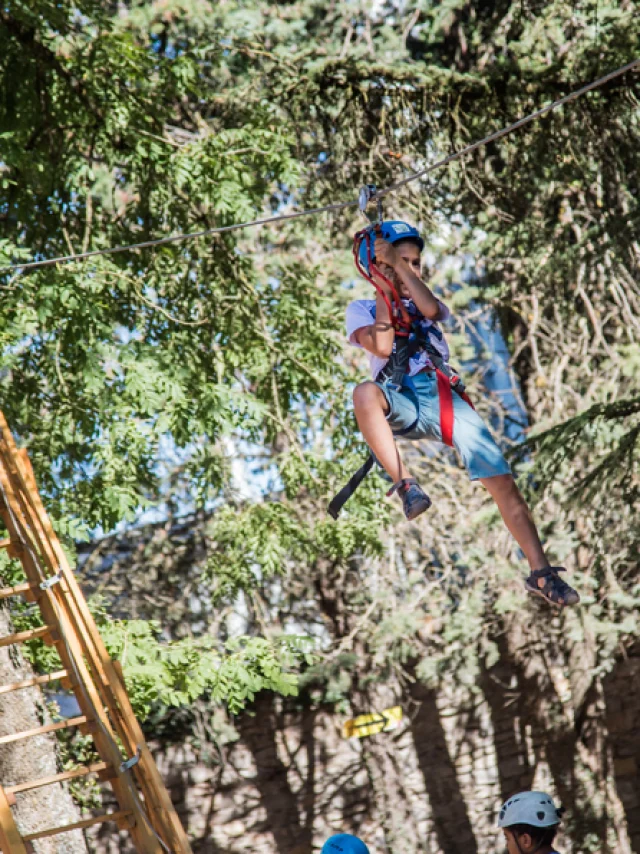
point(339, 206)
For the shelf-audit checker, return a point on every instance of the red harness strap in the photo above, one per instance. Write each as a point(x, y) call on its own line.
point(445, 396)
point(400, 319)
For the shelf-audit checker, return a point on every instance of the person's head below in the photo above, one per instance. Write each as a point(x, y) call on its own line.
point(344, 843)
point(530, 821)
point(409, 244)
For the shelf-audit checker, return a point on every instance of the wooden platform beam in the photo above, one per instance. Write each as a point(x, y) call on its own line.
point(10, 840)
point(31, 634)
point(144, 806)
point(57, 778)
point(36, 680)
point(43, 730)
point(120, 817)
point(17, 590)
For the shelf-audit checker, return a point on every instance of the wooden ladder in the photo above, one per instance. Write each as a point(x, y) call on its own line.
point(144, 806)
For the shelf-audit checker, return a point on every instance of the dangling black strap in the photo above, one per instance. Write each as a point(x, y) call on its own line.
point(347, 491)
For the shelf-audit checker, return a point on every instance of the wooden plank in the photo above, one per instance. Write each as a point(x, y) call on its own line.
point(78, 825)
point(14, 547)
point(26, 520)
point(42, 730)
point(22, 521)
point(37, 680)
point(39, 530)
point(84, 771)
point(163, 813)
point(104, 739)
point(30, 522)
point(10, 839)
point(30, 508)
point(6, 592)
point(85, 632)
point(21, 637)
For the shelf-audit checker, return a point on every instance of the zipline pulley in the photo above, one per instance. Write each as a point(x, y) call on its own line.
point(369, 193)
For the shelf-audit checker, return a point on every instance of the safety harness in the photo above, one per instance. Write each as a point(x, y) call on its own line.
point(408, 340)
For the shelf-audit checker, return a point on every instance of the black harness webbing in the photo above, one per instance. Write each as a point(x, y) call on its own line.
point(347, 491)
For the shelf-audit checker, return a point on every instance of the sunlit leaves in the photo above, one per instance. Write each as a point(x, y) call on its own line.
point(177, 673)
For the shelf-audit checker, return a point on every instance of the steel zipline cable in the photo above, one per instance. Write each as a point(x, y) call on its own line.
point(339, 206)
point(515, 126)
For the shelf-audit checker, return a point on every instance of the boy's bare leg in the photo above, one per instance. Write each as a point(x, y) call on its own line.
point(371, 408)
point(517, 517)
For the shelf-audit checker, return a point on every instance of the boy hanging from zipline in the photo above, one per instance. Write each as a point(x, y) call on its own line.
point(416, 394)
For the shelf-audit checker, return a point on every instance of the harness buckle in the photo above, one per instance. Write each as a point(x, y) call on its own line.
point(456, 383)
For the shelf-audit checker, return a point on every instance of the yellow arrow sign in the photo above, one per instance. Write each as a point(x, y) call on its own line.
point(372, 724)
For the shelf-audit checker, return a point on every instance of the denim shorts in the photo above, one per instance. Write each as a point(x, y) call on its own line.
point(414, 413)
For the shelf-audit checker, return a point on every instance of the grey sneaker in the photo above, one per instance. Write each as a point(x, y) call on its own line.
point(553, 590)
point(414, 499)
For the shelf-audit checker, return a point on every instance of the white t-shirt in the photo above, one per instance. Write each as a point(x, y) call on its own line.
point(362, 312)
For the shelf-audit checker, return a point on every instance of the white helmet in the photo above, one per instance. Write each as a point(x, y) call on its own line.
point(533, 808)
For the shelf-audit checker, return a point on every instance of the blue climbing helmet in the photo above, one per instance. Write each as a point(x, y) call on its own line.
point(392, 230)
point(344, 843)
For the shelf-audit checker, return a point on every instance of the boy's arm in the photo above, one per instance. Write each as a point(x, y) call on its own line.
point(424, 298)
point(426, 302)
point(378, 337)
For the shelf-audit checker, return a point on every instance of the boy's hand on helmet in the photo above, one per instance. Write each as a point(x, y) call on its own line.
point(387, 272)
point(385, 253)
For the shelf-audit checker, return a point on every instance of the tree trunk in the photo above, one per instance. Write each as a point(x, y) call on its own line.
point(515, 771)
point(49, 806)
point(393, 800)
point(622, 697)
point(290, 834)
point(450, 817)
point(577, 773)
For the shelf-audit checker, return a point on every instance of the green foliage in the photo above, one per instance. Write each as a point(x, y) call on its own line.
point(212, 371)
point(127, 354)
point(611, 433)
point(177, 673)
point(75, 751)
point(171, 674)
point(161, 674)
point(261, 541)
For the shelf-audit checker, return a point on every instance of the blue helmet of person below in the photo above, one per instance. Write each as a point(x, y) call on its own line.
point(344, 843)
point(392, 231)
